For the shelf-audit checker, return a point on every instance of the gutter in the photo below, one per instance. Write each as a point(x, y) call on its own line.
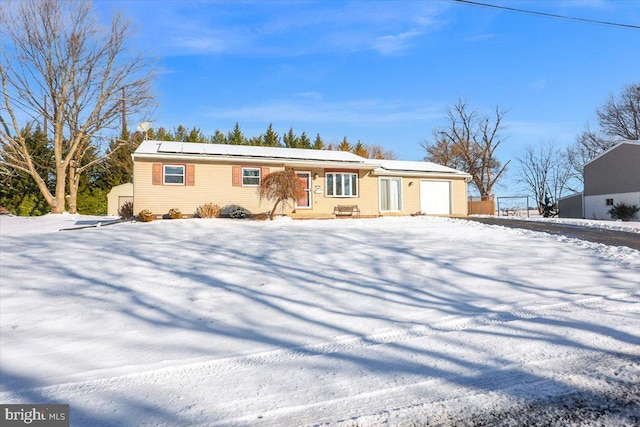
point(423, 174)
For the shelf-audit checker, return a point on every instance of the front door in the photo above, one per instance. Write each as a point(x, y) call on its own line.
point(305, 201)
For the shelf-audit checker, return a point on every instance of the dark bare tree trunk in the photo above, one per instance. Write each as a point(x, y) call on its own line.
point(469, 144)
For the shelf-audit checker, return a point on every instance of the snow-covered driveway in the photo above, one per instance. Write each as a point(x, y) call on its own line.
point(223, 322)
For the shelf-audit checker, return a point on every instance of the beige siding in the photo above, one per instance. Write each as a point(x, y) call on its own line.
point(118, 196)
point(322, 205)
point(213, 184)
point(368, 198)
point(459, 198)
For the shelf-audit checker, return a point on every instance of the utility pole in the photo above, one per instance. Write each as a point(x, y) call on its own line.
point(124, 116)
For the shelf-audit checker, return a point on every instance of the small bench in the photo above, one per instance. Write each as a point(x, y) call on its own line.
point(343, 210)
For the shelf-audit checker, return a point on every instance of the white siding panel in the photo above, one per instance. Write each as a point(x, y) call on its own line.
point(595, 207)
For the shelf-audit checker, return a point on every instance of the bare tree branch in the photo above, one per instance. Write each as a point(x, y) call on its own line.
point(469, 143)
point(62, 67)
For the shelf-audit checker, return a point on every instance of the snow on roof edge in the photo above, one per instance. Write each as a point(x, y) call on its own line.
point(193, 148)
point(206, 149)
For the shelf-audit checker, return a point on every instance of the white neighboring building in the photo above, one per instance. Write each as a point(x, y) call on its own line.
point(611, 178)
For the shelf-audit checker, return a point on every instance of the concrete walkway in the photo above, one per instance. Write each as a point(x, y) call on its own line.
point(598, 235)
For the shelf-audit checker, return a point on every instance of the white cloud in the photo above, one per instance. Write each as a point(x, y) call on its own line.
point(201, 44)
point(480, 37)
point(386, 45)
point(283, 29)
point(313, 110)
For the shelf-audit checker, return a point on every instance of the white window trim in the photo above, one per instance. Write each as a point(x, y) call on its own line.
point(341, 196)
point(380, 179)
point(164, 174)
point(250, 168)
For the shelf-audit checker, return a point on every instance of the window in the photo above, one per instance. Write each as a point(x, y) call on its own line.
point(342, 184)
point(173, 174)
point(250, 177)
point(609, 202)
point(390, 194)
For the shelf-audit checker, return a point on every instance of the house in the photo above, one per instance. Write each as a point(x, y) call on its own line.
point(187, 175)
point(611, 178)
point(118, 196)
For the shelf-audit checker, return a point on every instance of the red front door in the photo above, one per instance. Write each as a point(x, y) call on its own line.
point(304, 202)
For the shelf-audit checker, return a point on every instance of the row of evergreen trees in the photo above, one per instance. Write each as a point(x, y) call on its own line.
point(270, 138)
point(21, 196)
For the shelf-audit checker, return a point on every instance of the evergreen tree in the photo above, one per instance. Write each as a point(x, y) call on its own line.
point(271, 137)
point(218, 138)
point(236, 137)
point(18, 191)
point(256, 140)
point(318, 143)
point(93, 187)
point(160, 135)
point(290, 139)
point(304, 141)
point(180, 134)
point(360, 150)
point(118, 168)
point(344, 145)
point(195, 135)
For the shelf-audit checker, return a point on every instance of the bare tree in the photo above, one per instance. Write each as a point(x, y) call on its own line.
point(544, 171)
point(618, 119)
point(280, 186)
point(59, 66)
point(469, 143)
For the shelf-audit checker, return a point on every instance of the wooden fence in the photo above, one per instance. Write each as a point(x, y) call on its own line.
point(482, 205)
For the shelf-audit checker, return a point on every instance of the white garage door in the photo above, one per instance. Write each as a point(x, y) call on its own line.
point(435, 197)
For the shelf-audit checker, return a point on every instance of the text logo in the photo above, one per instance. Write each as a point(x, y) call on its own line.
point(37, 415)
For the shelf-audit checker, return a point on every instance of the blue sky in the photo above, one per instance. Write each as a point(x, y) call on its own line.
point(384, 72)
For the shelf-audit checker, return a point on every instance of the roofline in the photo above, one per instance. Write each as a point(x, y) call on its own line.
point(628, 141)
point(280, 161)
point(421, 174)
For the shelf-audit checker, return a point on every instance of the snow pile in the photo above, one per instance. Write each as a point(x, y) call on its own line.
point(629, 226)
point(19, 225)
point(371, 321)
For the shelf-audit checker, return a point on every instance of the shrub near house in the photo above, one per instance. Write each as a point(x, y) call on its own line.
point(188, 175)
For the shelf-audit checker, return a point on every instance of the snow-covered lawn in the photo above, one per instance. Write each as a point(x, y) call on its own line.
point(339, 322)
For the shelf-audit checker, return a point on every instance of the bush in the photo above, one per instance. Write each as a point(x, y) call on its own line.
point(208, 210)
point(126, 210)
point(623, 211)
point(238, 213)
point(260, 216)
point(175, 213)
point(145, 216)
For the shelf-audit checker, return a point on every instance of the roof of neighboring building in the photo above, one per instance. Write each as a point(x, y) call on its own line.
point(629, 142)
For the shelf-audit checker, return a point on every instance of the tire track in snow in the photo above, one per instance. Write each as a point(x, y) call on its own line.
point(435, 392)
point(497, 315)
